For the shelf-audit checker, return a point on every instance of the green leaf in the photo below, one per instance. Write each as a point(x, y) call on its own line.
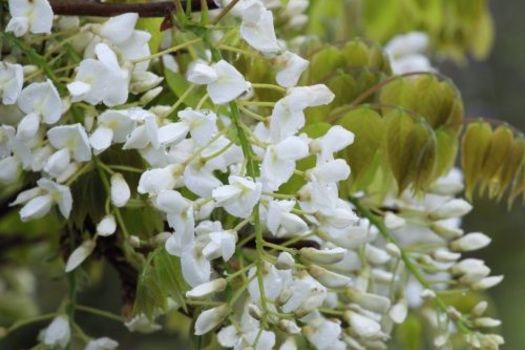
point(410, 149)
point(410, 333)
point(475, 145)
point(179, 85)
point(368, 128)
point(152, 26)
point(499, 148)
point(169, 275)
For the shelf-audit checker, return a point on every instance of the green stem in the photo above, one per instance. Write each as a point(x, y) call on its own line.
point(98, 312)
point(29, 321)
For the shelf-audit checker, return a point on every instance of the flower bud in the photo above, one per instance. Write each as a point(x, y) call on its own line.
point(80, 254)
point(285, 261)
point(255, 311)
point(324, 256)
point(375, 255)
point(57, 334)
point(327, 278)
point(445, 231)
point(289, 326)
point(206, 289)
point(150, 95)
point(398, 312)
point(452, 209)
point(480, 308)
point(393, 250)
point(120, 192)
point(393, 221)
point(369, 301)
point(443, 255)
point(211, 318)
point(107, 226)
point(487, 282)
point(487, 322)
point(361, 325)
point(470, 242)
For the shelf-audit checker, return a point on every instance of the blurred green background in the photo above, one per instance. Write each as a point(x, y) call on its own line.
point(494, 88)
point(491, 88)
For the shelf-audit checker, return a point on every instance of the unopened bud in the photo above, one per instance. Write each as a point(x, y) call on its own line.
point(454, 208)
point(211, 318)
point(323, 257)
point(487, 282)
point(206, 289)
point(327, 278)
point(480, 308)
point(393, 221)
point(285, 261)
point(470, 242)
point(398, 312)
point(487, 322)
point(361, 325)
point(150, 95)
point(289, 326)
point(255, 311)
point(134, 241)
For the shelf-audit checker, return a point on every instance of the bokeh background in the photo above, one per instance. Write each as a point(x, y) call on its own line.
point(493, 88)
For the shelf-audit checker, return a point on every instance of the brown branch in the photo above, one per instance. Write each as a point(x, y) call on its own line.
point(98, 9)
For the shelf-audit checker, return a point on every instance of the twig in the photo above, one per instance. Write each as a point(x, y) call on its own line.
point(99, 9)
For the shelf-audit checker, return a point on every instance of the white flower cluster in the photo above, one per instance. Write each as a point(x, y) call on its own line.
point(345, 290)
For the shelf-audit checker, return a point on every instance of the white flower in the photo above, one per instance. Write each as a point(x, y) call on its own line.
point(101, 80)
point(38, 201)
point(258, 30)
point(9, 170)
point(406, 53)
point(279, 161)
point(196, 268)
point(120, 192)
point(199, 72)
point(73, 138)
point(239, 197)
point(113, 126)
point(224, 82)
point(303, 295)
point(131, 44)
point(41, 102)
point(103, 343)
point(288, 116)
point(33, 15)
point(179, 212)
point(11, 82)
point(119, 29)
point(249, 336)
point(280, 221)
point(142, 324)
point(57, 334)
point(156, 180)
point(211, 318)
point(291, 67)
point(107, 226)
point(336, 139)
point(81, 253)
point(324, 334)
